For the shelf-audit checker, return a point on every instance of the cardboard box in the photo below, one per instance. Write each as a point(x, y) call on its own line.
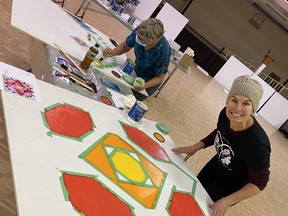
point(267, 60)
point(185, 61)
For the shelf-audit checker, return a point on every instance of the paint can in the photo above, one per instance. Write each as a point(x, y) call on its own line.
point(115, 7)
point(131, 20)
point(120, 9)
point(137, 111)
point(112, 3)
point(128, 66)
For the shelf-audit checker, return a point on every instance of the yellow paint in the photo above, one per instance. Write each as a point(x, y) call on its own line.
point(128, 166)
point(98, 63)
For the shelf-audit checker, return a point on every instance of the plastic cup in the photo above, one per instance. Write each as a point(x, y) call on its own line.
point(138, 82)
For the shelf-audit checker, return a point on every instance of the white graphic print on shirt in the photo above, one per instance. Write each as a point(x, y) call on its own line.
point(224, 151)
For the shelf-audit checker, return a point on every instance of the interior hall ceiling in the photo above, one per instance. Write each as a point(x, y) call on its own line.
point(275, 10)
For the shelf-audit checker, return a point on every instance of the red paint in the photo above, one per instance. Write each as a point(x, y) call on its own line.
point(183, 204)
point(116, 74)
point(106, 100)
point(146, 143)
point(90, 198)
point(68, 120)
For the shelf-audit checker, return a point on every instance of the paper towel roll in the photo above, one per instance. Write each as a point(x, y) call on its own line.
point(189, 52)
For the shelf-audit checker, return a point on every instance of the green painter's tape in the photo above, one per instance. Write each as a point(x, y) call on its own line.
point(162, 128)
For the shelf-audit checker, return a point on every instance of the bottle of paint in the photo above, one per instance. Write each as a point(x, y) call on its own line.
point(89, 57)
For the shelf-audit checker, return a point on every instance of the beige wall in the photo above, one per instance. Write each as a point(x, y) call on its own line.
point(225, 24)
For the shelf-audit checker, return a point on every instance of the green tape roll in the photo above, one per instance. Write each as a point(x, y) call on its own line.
point(162, 128)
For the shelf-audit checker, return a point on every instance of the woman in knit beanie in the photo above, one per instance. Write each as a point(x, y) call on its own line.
point(240, 168)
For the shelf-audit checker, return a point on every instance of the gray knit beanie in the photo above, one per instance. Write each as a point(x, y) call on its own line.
point(248, 87)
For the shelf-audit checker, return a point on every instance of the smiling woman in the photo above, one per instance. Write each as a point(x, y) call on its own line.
point(239, 109)
point(242, 101)
point(240, 169)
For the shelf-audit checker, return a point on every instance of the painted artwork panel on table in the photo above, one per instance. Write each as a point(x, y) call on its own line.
point(68, 121)
point(183, 204)
point(145, 142)
point(127, 168)
point(91, 198)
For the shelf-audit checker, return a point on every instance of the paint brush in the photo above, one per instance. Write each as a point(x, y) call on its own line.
point(88, 82)
point(76, 65)
point(74, 79)
point(71, 71)
point(113, 42)
point(89, 37)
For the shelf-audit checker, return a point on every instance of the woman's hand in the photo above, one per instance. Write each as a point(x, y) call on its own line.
point(188, 150)
point(107, 52)
point(220, 207)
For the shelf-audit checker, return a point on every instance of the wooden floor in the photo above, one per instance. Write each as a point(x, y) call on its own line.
point(189, 105)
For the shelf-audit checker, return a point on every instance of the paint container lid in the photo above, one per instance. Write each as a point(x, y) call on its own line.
point(128, 79)
point(162, 128)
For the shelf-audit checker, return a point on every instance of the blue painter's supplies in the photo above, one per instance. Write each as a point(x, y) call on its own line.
point(137, 111)
point(115, 7)
point(120, 9)
point(112, 2)
point(128, 66)
point(131, 20)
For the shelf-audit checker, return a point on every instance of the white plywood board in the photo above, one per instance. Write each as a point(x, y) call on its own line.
point(145, 8)
point(230, 70)
point(38, 159)
point(275, 110)
point(46, 21)
point(268, 90)
point(173, 21)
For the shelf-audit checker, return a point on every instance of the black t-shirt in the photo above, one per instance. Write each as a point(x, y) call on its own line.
point(239, 153)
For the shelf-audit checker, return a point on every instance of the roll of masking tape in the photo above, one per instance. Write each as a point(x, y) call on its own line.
point(162, 128)
point(189, 52)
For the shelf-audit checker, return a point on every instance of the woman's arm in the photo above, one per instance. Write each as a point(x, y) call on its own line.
point(221, 206)
point(152, 82)
point(189, 150)
point(119, 50)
